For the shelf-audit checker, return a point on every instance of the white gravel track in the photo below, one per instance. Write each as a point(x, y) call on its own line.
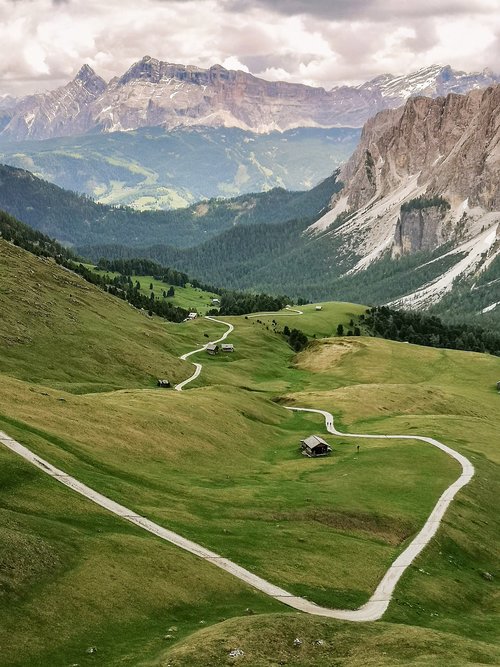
point(198, 367)
point(378, 602)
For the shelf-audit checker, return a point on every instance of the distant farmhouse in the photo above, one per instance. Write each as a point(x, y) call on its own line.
point(163, 383)
point(215, 302)
point(319, 307)
point(227, 347)
point(212, 348)
point(315, 446)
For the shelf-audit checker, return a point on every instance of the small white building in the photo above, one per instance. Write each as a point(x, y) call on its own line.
point(227, 347)
point(215, 302)
point(319, 307)
point(192, 316)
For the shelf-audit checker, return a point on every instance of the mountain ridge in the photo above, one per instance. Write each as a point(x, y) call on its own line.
point(440, 158)
point(152, 92)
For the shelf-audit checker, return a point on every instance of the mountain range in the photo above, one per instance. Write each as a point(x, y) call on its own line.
point(414, 221)
point(152, 93)
point(411, 219)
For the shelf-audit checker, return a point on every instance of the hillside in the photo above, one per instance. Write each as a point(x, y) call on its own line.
point(219, 463)
point(59, 331)
point(75, 219)
point(151, 169)
point(283, 258)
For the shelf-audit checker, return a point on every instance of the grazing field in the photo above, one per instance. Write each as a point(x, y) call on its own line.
point(316, 323)
point(60, 331)
point(188, 297)
point(220, 463)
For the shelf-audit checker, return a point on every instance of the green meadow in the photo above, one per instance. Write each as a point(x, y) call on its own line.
point(188, 297)
point(220, 464)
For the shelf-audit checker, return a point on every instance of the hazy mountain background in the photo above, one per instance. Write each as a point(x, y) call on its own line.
point(153, 169)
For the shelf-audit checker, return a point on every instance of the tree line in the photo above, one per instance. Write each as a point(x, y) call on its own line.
point(144, 267)
point(422, 202)
point(423, 329)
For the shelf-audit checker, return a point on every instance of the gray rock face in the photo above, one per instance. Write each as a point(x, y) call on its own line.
point(64, 111)
point(155, 93)
point(449, 145)
point(420, 229)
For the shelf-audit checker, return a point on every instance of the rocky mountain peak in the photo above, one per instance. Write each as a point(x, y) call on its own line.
point(423, 175)
point(90, 80)
point(146, 69)
point(157, 93)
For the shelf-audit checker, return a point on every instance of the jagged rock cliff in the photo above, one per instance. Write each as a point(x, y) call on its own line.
point(446, 148)
point(419, 229)
point(64, 111)
point(153, 92)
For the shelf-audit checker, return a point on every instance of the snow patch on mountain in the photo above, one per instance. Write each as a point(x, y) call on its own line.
point(488, 309)
point(474, 251)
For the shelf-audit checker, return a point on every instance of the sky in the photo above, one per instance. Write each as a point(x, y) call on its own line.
point(43, 43)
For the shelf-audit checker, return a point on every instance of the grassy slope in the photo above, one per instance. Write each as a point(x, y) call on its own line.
point(190, 298)
point(58, 330)
point(235, 470)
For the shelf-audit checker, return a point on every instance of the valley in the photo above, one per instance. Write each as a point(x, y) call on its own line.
point(151, 169)
point(249, 334)
point(219, 464)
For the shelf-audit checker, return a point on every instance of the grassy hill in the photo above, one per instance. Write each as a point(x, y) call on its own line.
point(187, 297)
point(220, 464)
point(153, 169)
point(60, 331)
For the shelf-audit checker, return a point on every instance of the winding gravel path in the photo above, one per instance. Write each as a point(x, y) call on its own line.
point(379, 601)
point(291, 311)
point(198, 367)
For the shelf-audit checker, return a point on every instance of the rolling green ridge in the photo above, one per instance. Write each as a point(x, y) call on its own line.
point(153, 169)
point(220, 464)
point(76, 219)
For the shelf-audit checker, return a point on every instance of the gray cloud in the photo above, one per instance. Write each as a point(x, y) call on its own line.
point(372, 10)
point(43, 43)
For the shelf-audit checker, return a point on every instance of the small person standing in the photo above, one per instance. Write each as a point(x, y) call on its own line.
point(357, 449)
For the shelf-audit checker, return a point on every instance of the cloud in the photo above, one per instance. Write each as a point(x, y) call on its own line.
point(362, 10)
point(43, 43)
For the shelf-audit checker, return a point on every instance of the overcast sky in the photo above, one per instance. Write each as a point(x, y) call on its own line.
point(43, 43)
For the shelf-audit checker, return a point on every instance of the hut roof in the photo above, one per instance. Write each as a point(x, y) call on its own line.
point(313, 441)
point(212, 346)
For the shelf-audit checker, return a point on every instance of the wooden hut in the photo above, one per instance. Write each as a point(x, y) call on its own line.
point(314, 446)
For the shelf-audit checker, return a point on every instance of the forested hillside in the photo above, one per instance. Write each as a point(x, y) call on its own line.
point(285, 259)
point(77, 220)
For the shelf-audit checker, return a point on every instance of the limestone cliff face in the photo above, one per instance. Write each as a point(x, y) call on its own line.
point(451, 146)
point(64, 111)
point(153, 92)
point(447, 147)
point(419, 229)
point(425, 177)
